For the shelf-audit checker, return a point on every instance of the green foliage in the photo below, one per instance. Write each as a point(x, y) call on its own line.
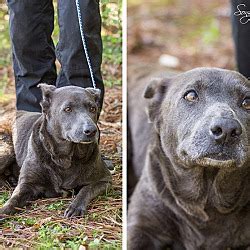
point(4, 31)
point(28, 221)
point(97, 244)
point(4, 38)
point(56, 205)
point(113, 47)
point(4, 197)
point(58, 235)
point(112, 41)
point(51, 235)
point(3, 82)
point(55, 34)
point(203, 29)
point(211, 34)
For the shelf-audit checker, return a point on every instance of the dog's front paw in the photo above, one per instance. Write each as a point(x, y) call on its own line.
point(73, 211)
point(8, 209)
point(3, 216)
point(4, 211)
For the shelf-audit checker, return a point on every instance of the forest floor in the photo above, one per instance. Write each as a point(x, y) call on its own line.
point(42, 225)
point(197, 33)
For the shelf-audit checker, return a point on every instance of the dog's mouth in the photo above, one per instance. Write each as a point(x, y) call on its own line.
point(82, 140)
point(216, 160)
point(86, 142)
point(212, 162)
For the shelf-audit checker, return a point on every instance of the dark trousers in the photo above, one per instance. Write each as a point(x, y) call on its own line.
point(34, 53)
point(241, 35)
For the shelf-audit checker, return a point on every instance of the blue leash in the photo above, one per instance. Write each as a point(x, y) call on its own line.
point(85, 44)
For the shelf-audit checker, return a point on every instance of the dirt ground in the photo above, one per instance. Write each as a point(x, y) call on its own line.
point(197, 33)
point(42, 225)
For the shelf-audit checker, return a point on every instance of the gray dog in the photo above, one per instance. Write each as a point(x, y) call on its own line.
point(58, 151)
point(192, 160)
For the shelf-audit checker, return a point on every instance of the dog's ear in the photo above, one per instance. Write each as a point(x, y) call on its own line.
point(96, 93)
point(47, 91)
point(156, 91)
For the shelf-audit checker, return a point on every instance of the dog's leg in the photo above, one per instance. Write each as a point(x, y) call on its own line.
point(20, 197)
point(85, 195)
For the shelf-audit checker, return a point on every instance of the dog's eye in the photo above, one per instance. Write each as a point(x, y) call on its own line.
point(191, 96)
point(92, 109)
point(246, 103)
point(68, 109)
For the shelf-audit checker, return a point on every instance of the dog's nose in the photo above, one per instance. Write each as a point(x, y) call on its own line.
point(90, 131)
point(225, 129)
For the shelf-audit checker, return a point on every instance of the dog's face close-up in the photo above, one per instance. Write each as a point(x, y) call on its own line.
point(202, 117)
point(72, 112)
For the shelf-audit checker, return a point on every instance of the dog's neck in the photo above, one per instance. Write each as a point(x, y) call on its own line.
point(195, 189)
point(62, 151)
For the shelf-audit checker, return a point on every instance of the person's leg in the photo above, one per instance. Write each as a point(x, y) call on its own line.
point(31, 26)
point(69, 50)
point(241, 35)
point(74, 68)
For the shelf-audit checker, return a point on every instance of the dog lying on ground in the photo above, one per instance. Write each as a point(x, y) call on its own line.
point(58, 151)
point(192, 160)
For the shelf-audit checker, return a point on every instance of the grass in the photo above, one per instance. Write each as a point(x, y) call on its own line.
point(4, 197)
point(56, 206)
point(41, 225)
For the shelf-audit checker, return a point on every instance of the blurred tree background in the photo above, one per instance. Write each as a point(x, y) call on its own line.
point(112, 42)
point(180, 34)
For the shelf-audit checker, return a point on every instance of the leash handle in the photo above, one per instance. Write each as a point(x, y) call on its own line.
point(84, 43)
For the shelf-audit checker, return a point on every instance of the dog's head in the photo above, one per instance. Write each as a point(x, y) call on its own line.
point(203, 117)
point(71, 112)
